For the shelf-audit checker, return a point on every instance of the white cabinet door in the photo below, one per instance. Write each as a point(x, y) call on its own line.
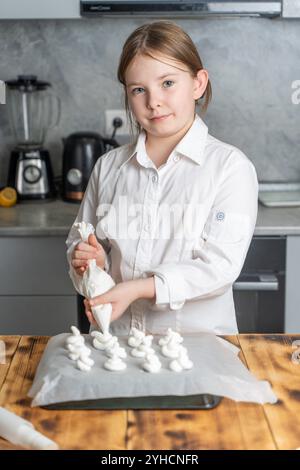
point(39, 9)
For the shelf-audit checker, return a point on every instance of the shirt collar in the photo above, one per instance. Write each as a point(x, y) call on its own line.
point(191, 145)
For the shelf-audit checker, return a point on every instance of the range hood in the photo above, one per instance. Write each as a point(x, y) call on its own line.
point(181, 8)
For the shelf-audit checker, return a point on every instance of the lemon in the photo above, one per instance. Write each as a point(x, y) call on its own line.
point(8, 197)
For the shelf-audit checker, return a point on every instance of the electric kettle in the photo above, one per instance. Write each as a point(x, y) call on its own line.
point(81, 151)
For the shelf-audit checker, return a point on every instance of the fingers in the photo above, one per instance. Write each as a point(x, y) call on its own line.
point(85, 251)
point(79, 266)
point(82, 246)
point(84, 254)
point(100, 300)
point(80, 271)
point(87, 305)
point(78, 263)
point(89, 313)
point(93, 241)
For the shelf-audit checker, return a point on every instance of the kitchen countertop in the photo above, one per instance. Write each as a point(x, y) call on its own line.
point(56, 217)
point(231, 425)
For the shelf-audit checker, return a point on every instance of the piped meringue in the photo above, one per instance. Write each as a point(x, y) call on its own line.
point(152, 363)
point(136, 337)
point(75, 340)
point(171, 335)
point(85, 363)
point(75, 351)
point(75, 331)
point(171, 344)
point(172, 350)
point(115, 363)
point(182, 362)
point(116, 350)
point(103, 341)
point(144, 347)
point(78, 351)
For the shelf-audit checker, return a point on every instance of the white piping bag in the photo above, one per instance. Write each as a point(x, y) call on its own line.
point(95, 281)
point(21, 432)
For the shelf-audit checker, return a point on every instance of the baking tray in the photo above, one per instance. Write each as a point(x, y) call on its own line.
point(172, 402)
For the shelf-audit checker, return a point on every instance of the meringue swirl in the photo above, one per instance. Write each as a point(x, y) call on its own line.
point(136, 337)
point(152, 363)
point(78, 351)
point(144, 347)
point(115, 364)
point(103, 341)
point(182, 362)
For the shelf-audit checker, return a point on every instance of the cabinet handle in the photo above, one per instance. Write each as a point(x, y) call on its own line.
point(266, 282)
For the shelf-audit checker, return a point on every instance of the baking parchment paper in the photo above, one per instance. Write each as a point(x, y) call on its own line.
point(217, 371)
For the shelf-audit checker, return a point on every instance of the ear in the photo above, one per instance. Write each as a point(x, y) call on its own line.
point(200, 83)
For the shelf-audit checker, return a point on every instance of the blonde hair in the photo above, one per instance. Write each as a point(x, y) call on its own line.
point(167, 39)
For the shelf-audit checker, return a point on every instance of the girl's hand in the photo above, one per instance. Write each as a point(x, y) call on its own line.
point(121, 296)
point(85, 251)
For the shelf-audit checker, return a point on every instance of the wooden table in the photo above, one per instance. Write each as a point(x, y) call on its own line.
point(231, 425)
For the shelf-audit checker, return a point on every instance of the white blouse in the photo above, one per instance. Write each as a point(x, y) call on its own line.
point(189, 223)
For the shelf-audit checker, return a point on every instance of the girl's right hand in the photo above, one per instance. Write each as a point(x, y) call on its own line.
point(85, 251)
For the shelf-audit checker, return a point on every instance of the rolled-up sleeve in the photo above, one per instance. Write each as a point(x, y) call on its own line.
point(86, 213)
point(219, 253)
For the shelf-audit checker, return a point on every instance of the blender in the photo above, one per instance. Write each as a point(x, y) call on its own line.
point(32, 112)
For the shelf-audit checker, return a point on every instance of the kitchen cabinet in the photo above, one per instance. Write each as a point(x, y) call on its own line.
point(39, 9)
point(259, 292)
point(27, 314)
point(36, 293)
point(292, 290)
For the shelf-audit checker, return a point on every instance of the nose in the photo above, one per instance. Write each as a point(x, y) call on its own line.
point(153, 100)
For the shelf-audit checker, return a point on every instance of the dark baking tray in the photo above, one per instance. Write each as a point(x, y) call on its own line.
point(172, 402)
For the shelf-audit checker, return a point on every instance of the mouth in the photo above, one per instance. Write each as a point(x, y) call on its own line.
point(160, 118)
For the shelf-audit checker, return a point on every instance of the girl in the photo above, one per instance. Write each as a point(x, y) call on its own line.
point(175, 210)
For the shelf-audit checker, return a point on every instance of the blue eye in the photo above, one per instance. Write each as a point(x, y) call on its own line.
point(136, 91)
point(168, 83)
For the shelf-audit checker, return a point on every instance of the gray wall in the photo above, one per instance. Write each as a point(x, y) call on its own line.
point(252, 64)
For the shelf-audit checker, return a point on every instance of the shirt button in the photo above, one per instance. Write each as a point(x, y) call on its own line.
point(147, 227)
point(154, 179)
point(176, 158)
point(220, 216)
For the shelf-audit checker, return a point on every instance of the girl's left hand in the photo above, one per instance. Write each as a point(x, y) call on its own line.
point(121, 296)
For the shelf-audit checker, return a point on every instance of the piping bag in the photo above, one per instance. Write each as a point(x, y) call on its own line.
point(95, 281)
point(22, 432)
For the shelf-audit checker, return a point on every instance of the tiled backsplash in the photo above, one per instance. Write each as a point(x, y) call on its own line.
point(252, 65)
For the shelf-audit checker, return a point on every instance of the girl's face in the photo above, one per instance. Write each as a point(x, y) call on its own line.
point(161, 94)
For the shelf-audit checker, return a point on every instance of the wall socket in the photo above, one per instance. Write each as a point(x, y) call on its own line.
point(110, 115)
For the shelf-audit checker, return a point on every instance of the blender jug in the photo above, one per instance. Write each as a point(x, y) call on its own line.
point(32, 112)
